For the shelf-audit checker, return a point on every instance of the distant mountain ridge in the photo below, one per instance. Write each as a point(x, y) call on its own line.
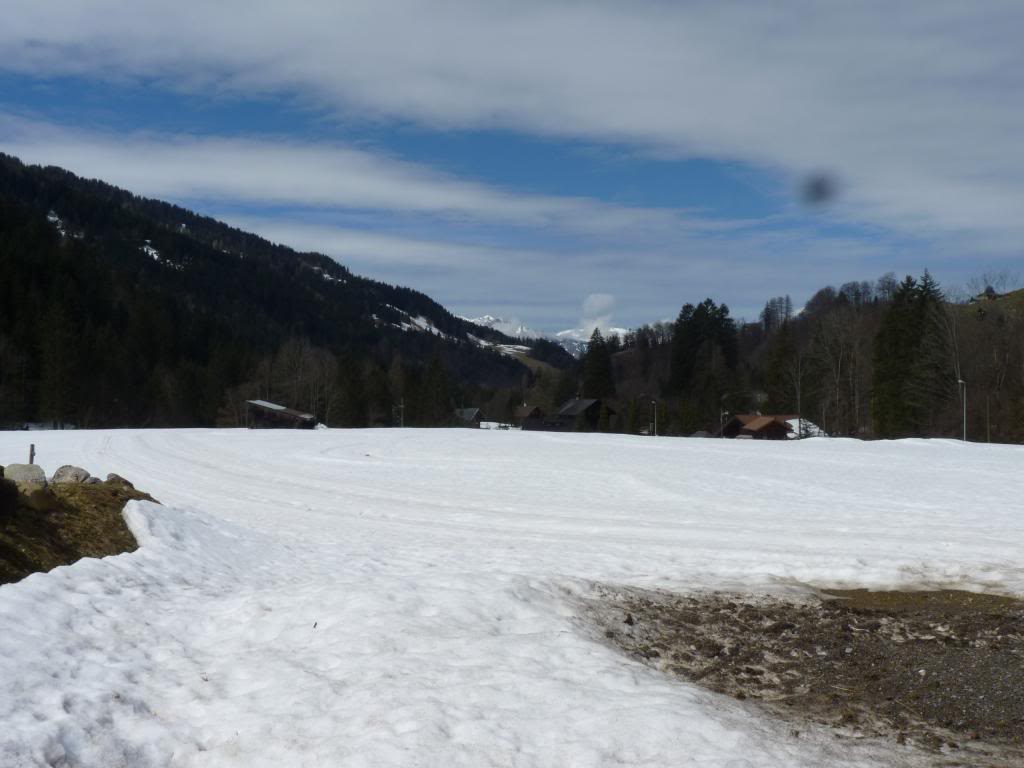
point(574, 340)
point(511, 328)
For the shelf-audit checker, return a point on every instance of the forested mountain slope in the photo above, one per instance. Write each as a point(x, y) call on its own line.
point(118, 310)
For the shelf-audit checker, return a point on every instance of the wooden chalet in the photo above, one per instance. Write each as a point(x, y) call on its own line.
point(261, 414)
point(758, 426)
point(576, 414)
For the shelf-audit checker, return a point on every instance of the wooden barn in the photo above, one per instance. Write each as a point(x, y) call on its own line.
point(758, 426)
point(529, 417)
point(261, 414)
point(576, 414)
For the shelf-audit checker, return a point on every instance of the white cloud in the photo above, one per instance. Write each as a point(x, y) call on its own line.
point(914, 105)
point(325, 175)
point(597, 312)
point(374, 253)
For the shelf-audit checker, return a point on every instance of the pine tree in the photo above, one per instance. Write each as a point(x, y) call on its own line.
point(930, 383)
point(354, 410)
point(700, 332)
point(777, 379)
point(633, 424)
point(913, 368)
point(436, 394)
point(566, 387)
point(894, 351)
point(58, 367)
point(598, 375)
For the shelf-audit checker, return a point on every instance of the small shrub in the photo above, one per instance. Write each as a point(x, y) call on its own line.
point(8, 498)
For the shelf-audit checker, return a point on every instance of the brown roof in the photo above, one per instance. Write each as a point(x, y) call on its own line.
point(759, 423)
point(762, 422)
point(746, 418)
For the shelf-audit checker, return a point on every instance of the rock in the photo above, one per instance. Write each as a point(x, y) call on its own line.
point(92, 481)
point(112, 478)
point(70, 474)
point(28, 477)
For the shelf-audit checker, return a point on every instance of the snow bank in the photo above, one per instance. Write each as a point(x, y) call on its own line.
point(91, 653)
point(409, 597)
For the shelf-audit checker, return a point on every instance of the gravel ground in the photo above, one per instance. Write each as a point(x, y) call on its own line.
point(937, 671)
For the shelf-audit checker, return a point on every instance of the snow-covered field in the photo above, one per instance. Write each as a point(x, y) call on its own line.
point(405, 597)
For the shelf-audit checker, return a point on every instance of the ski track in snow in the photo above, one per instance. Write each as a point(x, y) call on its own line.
point(443, 571)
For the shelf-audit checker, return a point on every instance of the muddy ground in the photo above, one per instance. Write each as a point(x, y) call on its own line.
point(939, 671)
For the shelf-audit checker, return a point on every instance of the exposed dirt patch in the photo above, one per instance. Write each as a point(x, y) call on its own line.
point(942, 670)
point(65, 523)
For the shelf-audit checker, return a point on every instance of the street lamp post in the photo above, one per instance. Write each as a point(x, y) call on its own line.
point(963, 385)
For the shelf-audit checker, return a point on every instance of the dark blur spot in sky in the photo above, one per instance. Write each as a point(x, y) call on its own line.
point(818, 189)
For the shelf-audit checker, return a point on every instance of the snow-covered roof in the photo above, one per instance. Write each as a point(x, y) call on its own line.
point(266, 404)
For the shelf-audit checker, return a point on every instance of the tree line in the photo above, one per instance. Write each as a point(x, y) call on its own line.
point(871, 359)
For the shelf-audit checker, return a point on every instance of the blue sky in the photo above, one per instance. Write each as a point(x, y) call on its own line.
point(519, 159)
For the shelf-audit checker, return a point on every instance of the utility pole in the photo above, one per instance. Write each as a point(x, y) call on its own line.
point(963, 385)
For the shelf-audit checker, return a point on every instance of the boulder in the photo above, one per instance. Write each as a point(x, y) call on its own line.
point(92, 481)
point(28, 477)
point(70, 474)
point(112, 478)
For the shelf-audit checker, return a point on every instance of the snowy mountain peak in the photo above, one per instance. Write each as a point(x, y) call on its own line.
point(573, 340)
point(512, 328)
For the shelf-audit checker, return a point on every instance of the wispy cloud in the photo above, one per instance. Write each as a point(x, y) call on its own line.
point(286, 171)
point(915, 106)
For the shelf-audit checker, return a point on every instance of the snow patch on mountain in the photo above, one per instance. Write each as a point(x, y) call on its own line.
point(418, 324)
point(56, 221)
point(328, 277)
point(512, 350)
